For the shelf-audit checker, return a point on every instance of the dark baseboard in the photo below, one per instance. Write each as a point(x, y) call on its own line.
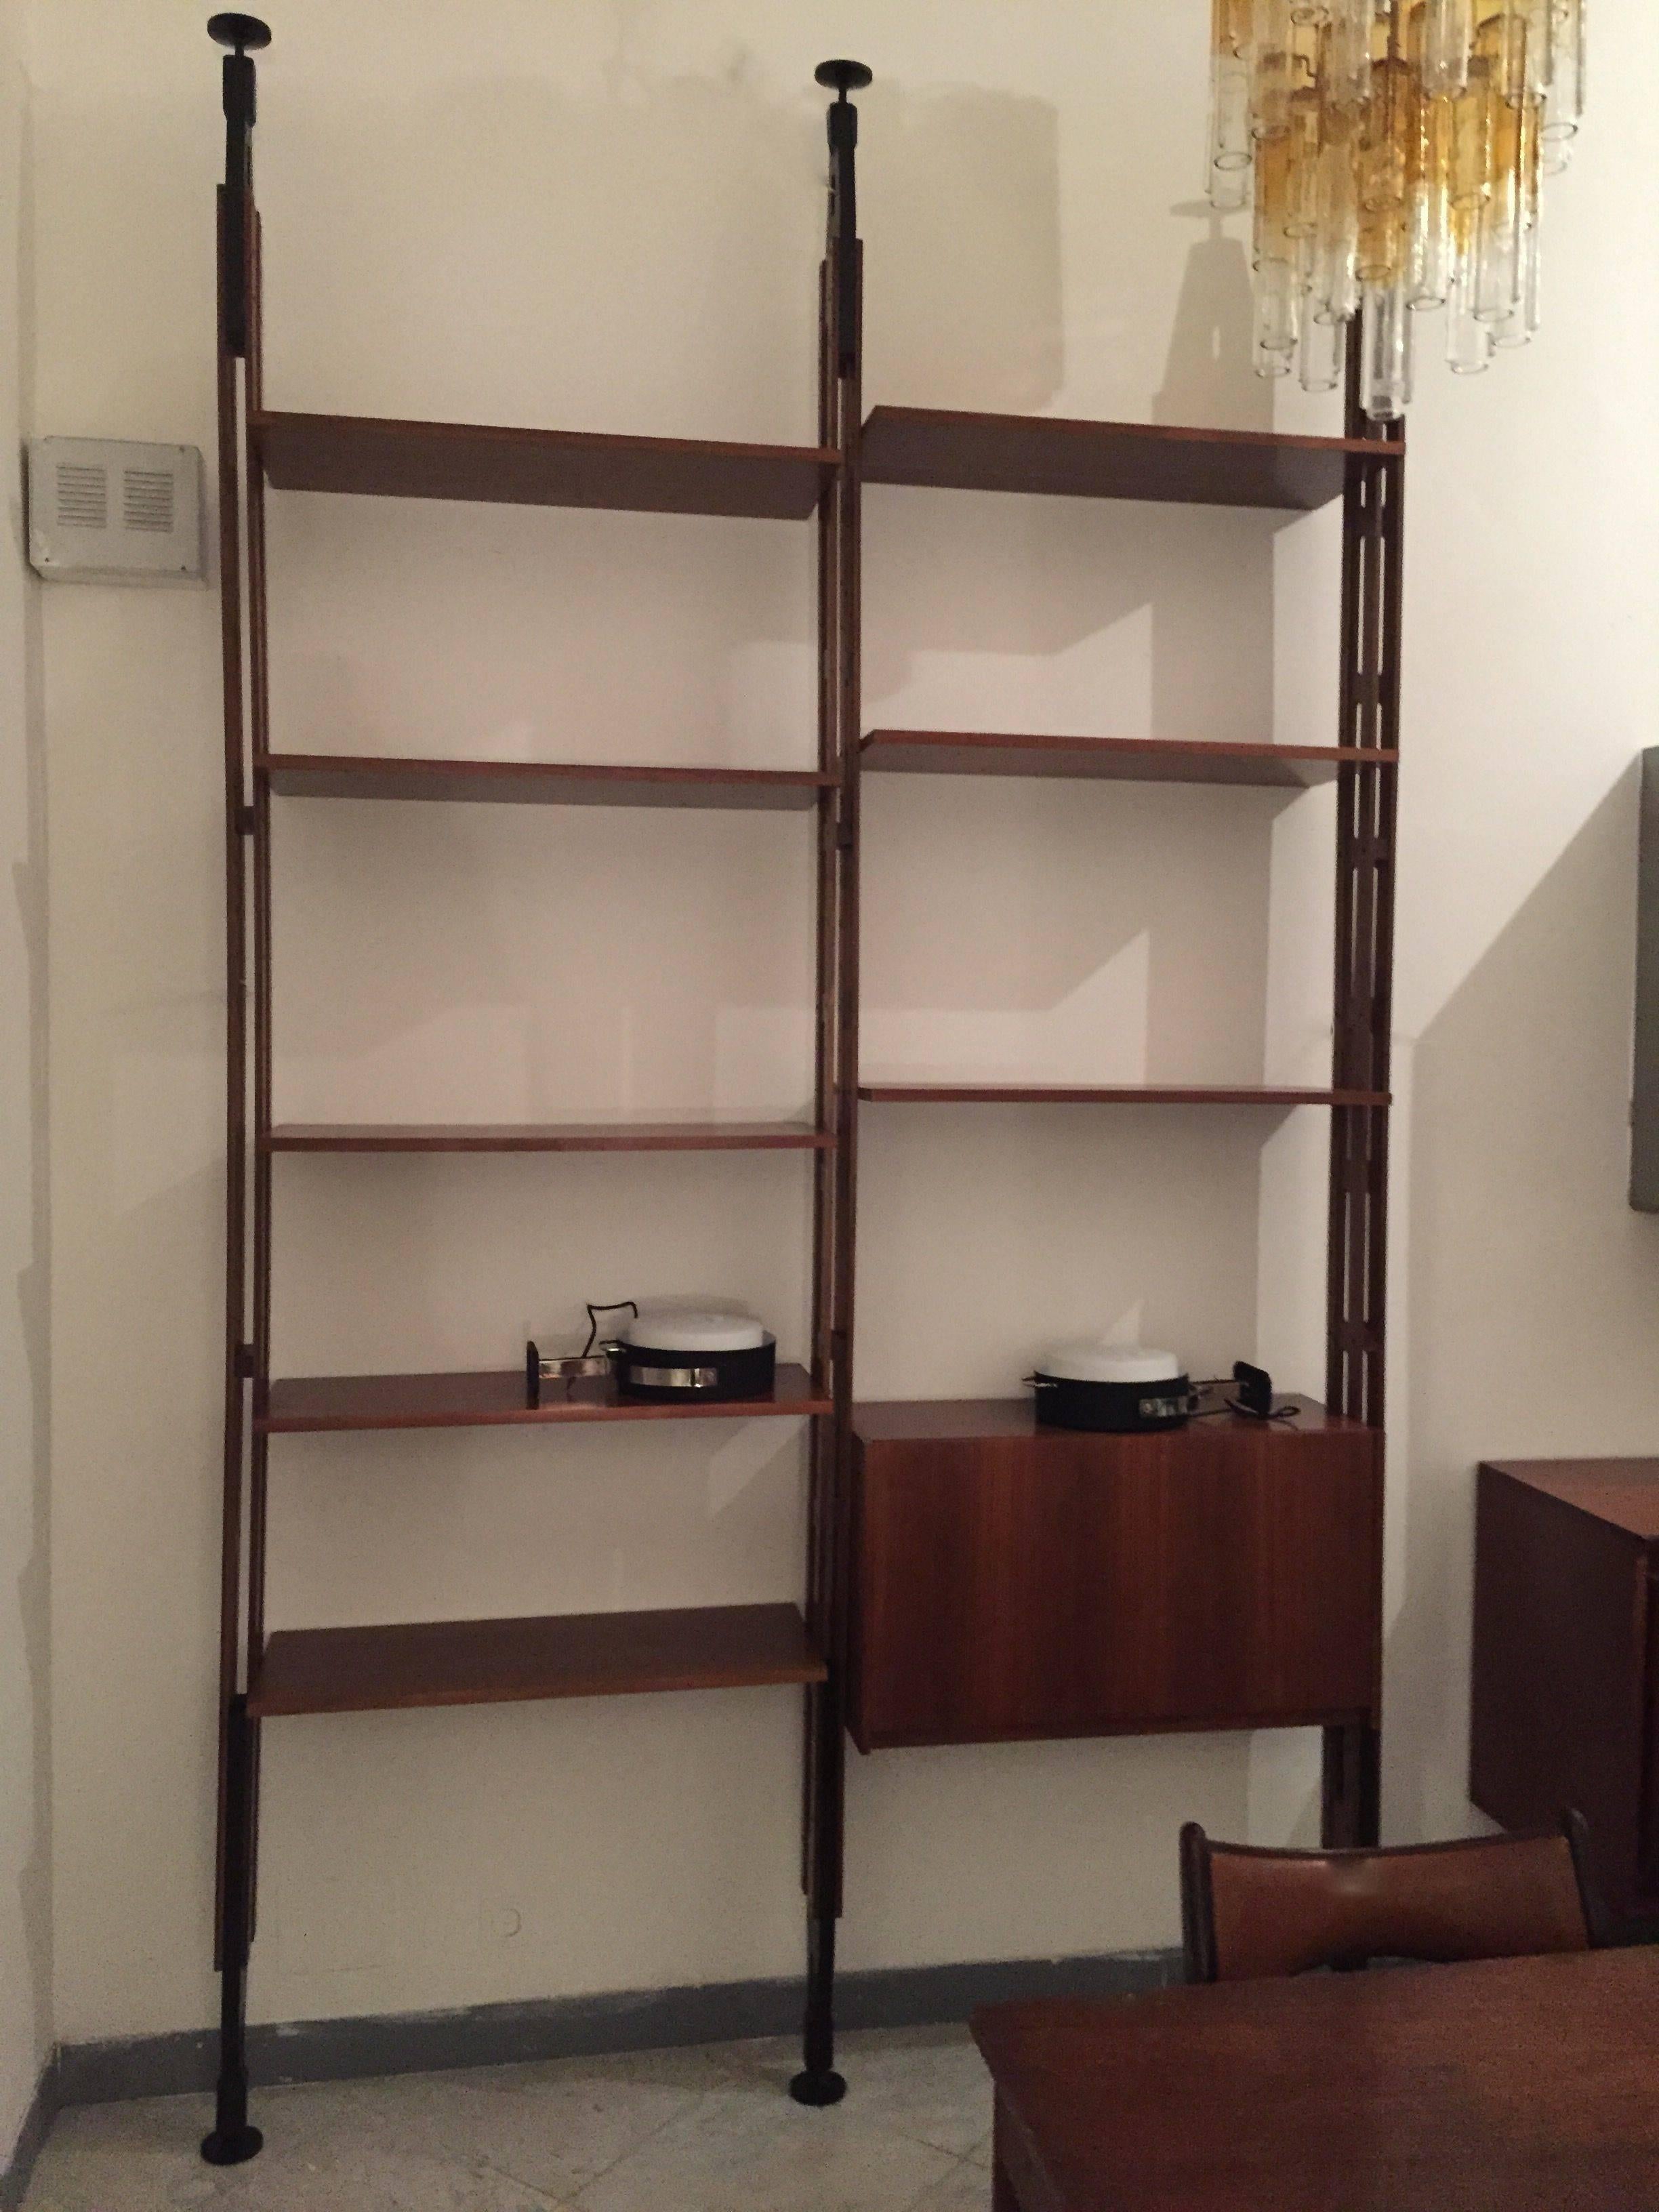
point(583, 2028)
point(37, 2122)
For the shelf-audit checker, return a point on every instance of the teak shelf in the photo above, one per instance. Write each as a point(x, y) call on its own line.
point(1119, 1094)
point(540, 783)
point(545, 1137)
point(537, 468)
point(496, 1400)
point(965, 1577)
point(947, 449)
point(492, 1662)
point(1108, 760)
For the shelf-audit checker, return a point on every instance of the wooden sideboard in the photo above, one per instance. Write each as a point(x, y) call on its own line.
point(1566, 1676)
point(1012, 1582)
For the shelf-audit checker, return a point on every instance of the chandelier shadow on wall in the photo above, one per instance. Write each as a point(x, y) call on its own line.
point(1393, 153)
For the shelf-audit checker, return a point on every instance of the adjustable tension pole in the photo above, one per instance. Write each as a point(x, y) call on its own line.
point(244, 34)
point(818, 2082)
point(232, 2140)
point(843, 119)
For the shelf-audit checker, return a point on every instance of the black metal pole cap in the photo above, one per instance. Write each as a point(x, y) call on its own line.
point(246, 33)
point(843, 76)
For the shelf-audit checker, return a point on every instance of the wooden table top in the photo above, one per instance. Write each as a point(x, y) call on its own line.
point(1521, 2084)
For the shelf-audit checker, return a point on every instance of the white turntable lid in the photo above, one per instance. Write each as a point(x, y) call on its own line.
point(1110, 1363)
point(667, 1329)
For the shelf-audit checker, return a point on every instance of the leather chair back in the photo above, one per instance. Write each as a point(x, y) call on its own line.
point(1248, 1913)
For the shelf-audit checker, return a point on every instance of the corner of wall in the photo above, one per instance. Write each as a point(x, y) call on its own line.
point(26, 2028)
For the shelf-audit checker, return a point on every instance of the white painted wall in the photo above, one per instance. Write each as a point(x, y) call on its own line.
point(25, 1901)
point(606, 217)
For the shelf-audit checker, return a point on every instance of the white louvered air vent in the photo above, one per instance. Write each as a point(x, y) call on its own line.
point(147, 498)
point(82, 496)
point(109, 511)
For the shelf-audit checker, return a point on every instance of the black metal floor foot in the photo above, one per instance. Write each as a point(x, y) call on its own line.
point(232, 2146)
point(812, 2087)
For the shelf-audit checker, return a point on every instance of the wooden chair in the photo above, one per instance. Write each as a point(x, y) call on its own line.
point(1248, 1913)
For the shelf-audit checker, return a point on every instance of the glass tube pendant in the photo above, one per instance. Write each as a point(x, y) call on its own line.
point(1392, 155)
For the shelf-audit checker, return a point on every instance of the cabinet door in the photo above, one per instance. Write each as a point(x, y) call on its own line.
point(1559, 1705)
point(1073, 1585)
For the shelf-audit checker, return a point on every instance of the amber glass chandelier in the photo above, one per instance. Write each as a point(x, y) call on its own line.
point(1393, 151)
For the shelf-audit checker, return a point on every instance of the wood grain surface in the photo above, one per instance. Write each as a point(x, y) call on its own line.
point(1519, 2085)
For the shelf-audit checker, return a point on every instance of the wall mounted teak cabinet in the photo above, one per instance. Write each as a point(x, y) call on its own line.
point(963, 1577)
point(1012, 1582)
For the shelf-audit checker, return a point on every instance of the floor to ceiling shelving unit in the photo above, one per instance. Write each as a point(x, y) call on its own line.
point(270, 1675)
point(266, 1674)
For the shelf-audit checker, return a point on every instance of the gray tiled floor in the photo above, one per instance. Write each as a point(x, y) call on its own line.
point(708, 2130)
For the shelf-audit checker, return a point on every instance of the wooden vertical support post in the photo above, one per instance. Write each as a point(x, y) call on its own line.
point(259, 733)
point(839, 418)
point(236, 1354)
point(1373, 517)
point(232, 2140)
point(823, 1089)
